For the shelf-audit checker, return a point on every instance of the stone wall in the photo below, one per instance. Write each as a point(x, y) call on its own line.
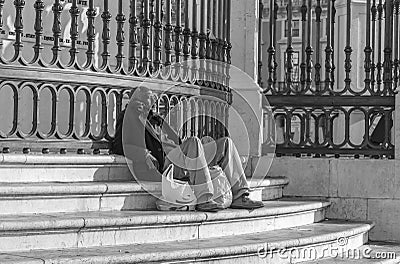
point(359, 189)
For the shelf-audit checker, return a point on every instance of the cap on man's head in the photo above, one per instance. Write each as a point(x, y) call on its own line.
point(139, 93)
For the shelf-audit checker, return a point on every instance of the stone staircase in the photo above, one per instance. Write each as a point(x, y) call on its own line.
point(86, 209)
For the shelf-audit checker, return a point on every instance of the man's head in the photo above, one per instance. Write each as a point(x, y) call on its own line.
point(144, 95)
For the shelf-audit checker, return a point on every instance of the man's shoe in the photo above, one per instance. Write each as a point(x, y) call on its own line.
point(209, 206)
point(244, 202)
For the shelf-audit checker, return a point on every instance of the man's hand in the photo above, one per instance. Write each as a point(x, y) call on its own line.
point(151, 161)
point(168, 144)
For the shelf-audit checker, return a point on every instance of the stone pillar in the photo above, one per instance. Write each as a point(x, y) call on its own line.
point(244, 36)
point(245, 117)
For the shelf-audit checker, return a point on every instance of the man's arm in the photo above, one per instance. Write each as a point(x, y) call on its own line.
point(156, 119)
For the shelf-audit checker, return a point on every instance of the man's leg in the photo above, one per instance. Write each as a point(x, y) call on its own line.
point(223, 152)
point(189, 156)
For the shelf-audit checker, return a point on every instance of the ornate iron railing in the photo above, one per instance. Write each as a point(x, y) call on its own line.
point(324, 110)
point(66, 90)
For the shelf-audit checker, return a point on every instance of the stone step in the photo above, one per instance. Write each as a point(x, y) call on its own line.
point(279, 246)
point(20, 168)
point(50, 197)
point(372, 253)
point(24, 168)
point(90, 229)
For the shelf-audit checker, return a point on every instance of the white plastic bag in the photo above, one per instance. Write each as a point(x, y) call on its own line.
point(222, 187)
point(176, 191)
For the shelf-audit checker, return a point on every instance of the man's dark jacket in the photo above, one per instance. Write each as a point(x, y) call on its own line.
point(134, 139)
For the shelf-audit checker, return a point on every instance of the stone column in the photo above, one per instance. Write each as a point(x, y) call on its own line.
point(245, 116)
point(244, 36)
point(245, 120)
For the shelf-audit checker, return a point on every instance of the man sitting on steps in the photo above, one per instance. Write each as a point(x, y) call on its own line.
point(151, 152)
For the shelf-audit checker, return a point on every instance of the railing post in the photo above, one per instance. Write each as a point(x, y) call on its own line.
point(73, 51)
point(1, 18)
point(202, 41)
point(157, 37)
point(106, 37)
point(374, 12)
point(328, 50)
point(208, 75)
point(224, 47)
point(309, 49)
point(379, 64)
point(318, 11)
point(209, 29)
point(91, 34)
point(19, 31)
point(220, 23)
point(228, 41)
point(194, 47)
point(333, 15)
point(348, 50)
point(289, 49)
point(202, 35)
point(271, 49)
point(186, 33)
point(120, 38)
point(368, 49)
point(57, 9)
point(275, 78)
point(260, 63)
point(1, 27)
point(151, 36)
point(133, 40)
point(303, 46)
point(195, 33)
point(168, 34)
point(178, 31)
point(37, 48)
point(387, 64)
